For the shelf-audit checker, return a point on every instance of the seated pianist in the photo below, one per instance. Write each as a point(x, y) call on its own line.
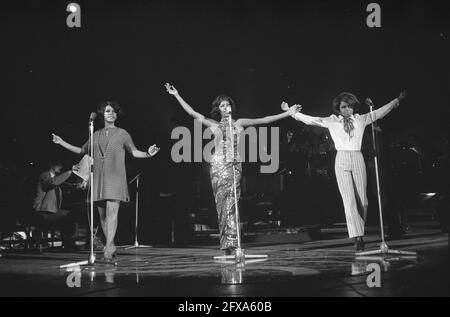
point(48, 200)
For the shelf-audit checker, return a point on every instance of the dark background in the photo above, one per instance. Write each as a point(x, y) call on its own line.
point(258, 52)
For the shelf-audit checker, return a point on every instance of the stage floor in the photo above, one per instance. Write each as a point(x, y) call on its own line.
point(325, 267)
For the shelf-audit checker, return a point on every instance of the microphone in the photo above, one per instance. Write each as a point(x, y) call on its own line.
point(92, 116)
point(369, 102)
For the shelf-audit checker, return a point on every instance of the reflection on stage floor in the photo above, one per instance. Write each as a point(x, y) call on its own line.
point(317, 268)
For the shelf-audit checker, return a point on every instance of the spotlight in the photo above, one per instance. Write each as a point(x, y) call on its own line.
point(72, 8)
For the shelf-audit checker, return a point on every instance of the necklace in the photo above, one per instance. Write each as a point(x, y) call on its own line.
point(103, 145)
point(224, 127)
point(106, 130)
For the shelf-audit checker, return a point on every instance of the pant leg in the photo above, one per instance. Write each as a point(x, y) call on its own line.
point(360, 182)
point(355, 223)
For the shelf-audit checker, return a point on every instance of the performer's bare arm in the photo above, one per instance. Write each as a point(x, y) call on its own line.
point(269, 119)
point(205, 121)
point(64, 144)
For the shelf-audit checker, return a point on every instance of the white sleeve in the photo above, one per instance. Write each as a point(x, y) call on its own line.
point(309, 120)
point(381, 112)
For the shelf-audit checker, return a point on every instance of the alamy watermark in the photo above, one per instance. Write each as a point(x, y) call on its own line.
point(374, 278)
point(373, 20)
point(74, 279)
point(258, 145)
point(74, 18)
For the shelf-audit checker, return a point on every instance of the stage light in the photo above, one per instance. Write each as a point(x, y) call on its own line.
point(72, 8)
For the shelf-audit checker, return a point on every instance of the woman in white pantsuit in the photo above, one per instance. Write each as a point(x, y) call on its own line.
point(347, 129)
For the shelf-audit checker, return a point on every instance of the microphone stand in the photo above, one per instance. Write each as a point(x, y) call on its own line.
point(91, 260)
point(240, 256)
point(384, 249)
point(136, 243)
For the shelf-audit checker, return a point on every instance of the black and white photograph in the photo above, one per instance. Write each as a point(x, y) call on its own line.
point(225, 154)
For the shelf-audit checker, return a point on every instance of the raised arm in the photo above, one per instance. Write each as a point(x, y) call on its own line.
point(269, 119)
point(308, 120)
point(197, 116)
point(383, 111)
point(64, 144)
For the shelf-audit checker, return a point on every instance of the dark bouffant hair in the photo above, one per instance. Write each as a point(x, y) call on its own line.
point(215, 111)
point(347, 97)
point(101, 108)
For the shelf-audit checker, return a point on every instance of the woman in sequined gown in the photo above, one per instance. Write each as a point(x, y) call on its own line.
point(224, 157)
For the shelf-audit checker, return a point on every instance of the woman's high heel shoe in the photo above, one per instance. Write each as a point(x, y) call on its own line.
point(110, 253)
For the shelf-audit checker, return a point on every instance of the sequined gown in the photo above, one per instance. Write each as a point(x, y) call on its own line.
point(222, 182)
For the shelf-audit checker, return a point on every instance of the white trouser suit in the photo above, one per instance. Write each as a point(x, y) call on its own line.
point(352, 182)
point(349, 166)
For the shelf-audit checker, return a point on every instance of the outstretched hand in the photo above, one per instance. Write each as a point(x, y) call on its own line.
point(153, 150)
point(294, 109)
point(171, 89)
point(56, 139)
point(402, 95)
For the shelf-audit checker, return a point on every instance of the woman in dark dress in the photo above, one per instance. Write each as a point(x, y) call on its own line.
point(110, 180)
